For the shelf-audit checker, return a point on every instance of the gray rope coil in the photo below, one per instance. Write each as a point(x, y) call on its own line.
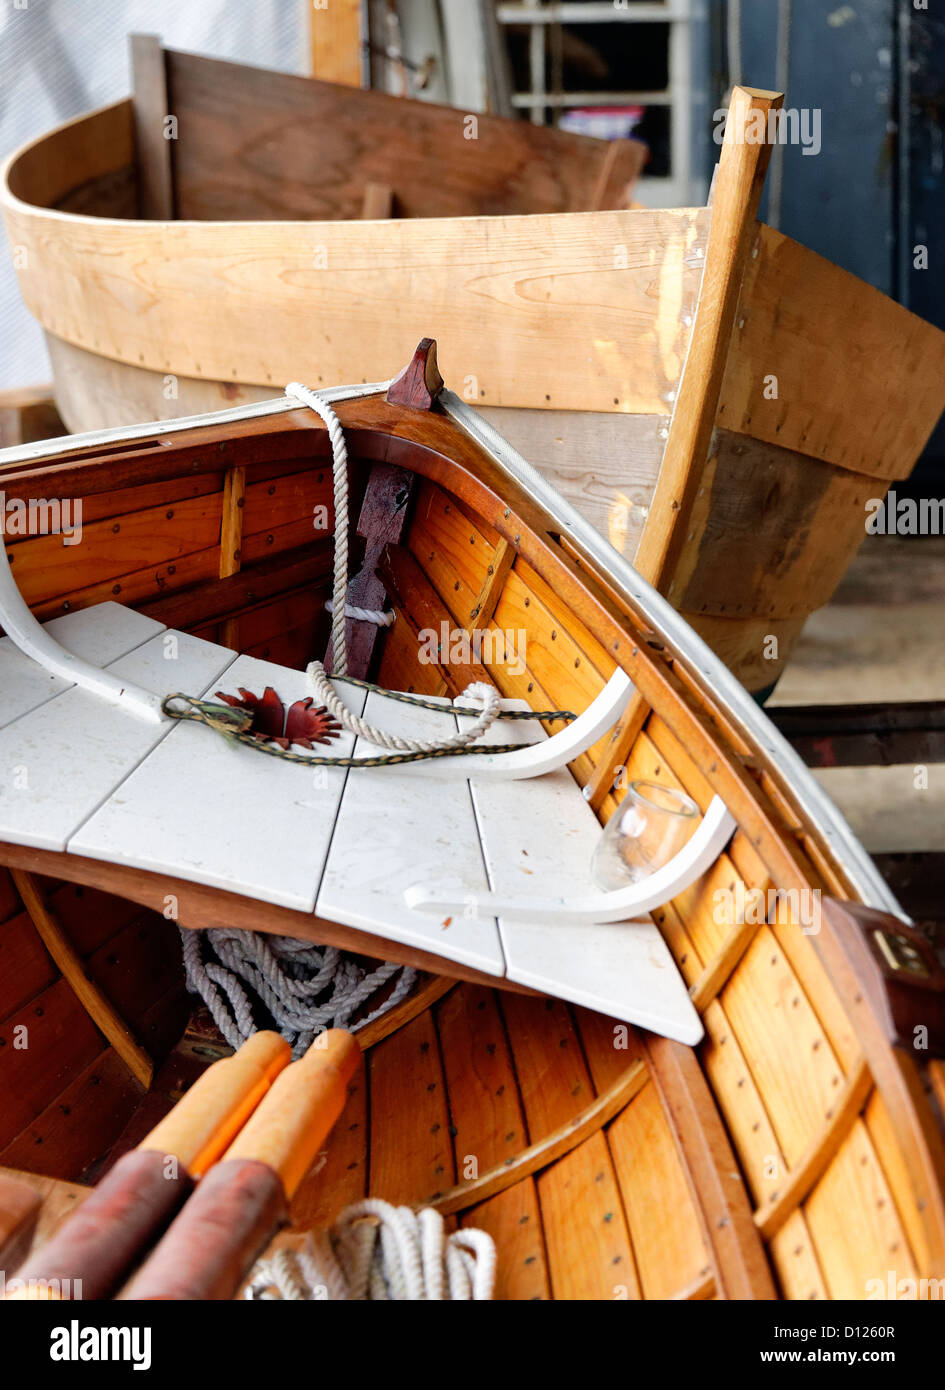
point(304, 988)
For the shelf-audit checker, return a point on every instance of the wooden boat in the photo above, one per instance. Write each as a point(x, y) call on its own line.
point(690, 369)
point(794, 1152)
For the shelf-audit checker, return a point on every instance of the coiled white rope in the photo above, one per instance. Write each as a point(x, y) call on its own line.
point(324, 690)
point(376, 1251)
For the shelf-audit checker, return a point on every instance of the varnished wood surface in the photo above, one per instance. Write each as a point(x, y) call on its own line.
point(793, 1153)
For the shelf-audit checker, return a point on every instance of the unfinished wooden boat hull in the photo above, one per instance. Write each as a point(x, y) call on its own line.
point(717, 400)
point(794, 1153)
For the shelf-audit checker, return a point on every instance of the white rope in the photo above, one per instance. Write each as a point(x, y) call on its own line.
point(376, 1251)
point(363, 615)
point(303, 988)
point(339, 451)
point(324, 690)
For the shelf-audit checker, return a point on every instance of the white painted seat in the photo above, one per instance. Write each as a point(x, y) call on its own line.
point(174, 799)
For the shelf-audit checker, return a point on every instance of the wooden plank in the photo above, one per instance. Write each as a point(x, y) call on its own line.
point(19, 1212)
point(45, 568)
point(61, 790)
point(866, 403)
point(780, 529)
point(395, 829)
point(737, 1254)
point(44, 1046)
point(587, 1245)
point(410, 1150)
point(151, 109)
point(854, 1223)
point(819, 1156)
point(670, 1252)
point(276, 851)
point(26, 965)
point(59, 1200)
point(488, 1121)
point(336, 41)
point(520, 346)
point(605, 465)
point(586, 1237)
point(97, 1005)
point(794, 1066)
point(735, 199)
point(420, 609)
point(76, 1124)
point(99, 635)
point(153, 582)
point(795, 1262)
point(317, 161)
point(513, 1220)
point(540, 835)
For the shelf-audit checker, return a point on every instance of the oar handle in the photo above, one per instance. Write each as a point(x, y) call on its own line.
point(244, 1199)
point(208, 1117)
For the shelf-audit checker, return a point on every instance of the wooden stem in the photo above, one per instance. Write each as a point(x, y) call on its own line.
point(737, 192)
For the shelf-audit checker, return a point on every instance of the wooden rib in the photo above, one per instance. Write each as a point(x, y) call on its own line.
point(423, 997)
point(231, 527)
point(720, 969)
point(735, 200)
point(378, 202)
point(149, 84)
point(553, 1146)
point(99, 1009)
point(740, 1266)
point(937, 1077)
point(485, 605)
point(231, 541)
point(699, 1290)
point(616, 751)
point(806, 1173)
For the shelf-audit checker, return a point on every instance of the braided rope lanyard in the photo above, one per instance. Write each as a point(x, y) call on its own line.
point(234, 723)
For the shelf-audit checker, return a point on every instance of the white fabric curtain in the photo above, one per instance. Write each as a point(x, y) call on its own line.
point(59, 58)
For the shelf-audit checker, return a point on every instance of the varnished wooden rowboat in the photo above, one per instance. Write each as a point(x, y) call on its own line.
point(690, 368)
point(794, 1152)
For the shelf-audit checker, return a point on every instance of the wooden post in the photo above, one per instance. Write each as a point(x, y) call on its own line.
point(335, 27)
point(153, 149)
point(737, 191)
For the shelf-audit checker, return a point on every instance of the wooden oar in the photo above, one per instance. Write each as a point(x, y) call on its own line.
point(243, 1200)
point(94, 1250)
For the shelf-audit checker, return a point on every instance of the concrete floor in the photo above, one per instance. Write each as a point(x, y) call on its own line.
point(882, 638)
